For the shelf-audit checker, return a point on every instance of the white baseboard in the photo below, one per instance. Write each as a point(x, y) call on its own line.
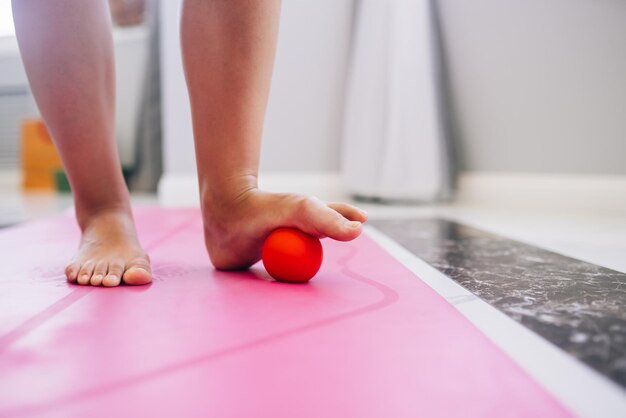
point(541, 192)
point(547, 192)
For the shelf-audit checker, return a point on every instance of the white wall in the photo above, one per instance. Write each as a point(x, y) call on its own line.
point(16, 103)
point(131, 50)
point(538, 86)
point(178, 153)
point(305, 111)
point(303, 122)
point(12, 72)
point(131, 61)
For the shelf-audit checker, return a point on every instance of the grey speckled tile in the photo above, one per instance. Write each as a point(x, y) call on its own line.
point(578, 306)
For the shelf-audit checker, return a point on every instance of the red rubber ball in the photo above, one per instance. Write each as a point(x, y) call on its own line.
point(290, 255)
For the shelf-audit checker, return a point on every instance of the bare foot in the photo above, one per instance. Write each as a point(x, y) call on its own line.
point(235, 231)
point(109, 253)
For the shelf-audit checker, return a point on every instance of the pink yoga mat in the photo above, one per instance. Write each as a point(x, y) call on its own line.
point(365, 338)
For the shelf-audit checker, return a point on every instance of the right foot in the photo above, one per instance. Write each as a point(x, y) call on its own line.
point(109, 253)
point(235, 230)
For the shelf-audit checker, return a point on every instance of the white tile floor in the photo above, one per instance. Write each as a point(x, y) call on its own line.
point(596, 238)
point(16, 207)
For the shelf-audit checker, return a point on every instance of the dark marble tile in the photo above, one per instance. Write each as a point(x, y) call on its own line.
point(578, 306)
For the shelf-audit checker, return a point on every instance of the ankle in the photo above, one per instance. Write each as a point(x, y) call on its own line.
point(222, 194)
point(114, 213)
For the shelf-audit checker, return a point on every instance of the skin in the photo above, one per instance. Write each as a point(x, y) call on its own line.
point(67, 50)
point(228, 51)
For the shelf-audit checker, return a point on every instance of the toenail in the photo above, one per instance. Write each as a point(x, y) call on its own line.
point(353, 224)
point(97, 276)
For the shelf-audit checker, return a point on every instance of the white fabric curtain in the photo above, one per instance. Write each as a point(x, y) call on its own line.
point(393, 142)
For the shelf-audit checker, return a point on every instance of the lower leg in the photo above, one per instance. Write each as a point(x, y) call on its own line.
point(228, 51)
point(67, 49)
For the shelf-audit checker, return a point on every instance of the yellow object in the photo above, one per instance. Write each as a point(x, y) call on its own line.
point(40, 158)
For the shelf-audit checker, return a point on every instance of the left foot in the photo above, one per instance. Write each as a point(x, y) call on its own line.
point(109, 252)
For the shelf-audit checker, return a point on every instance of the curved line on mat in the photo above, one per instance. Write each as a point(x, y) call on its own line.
point(388, 297)
point(68, 300)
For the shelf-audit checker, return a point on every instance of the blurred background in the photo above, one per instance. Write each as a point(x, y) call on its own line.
point(412, 102)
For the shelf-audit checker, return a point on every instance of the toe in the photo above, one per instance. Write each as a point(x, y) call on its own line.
point(114, 274)
point(84, 275)
point(71, 271)
point(138, 273)
point(317, 218)
point(99, 272)
point(349, 212)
